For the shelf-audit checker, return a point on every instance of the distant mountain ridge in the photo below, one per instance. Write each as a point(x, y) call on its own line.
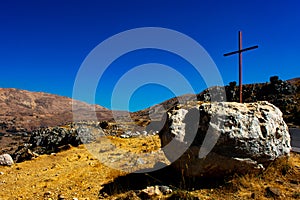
point(23, 110)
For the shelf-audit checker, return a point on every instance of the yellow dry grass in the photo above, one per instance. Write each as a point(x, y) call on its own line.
point(73, 173)
point(137, 145)
point(76, 173)
point(283, 174)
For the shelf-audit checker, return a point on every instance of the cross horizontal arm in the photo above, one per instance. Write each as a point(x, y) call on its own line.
point(240, 51)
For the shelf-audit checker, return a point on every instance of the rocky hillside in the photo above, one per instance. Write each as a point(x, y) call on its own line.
point(283, 94)
point(23, 111)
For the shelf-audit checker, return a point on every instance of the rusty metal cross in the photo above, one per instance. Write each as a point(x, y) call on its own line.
point(240, 62)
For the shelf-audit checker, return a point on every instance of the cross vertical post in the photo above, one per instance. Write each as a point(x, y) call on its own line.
point(240, 67)
point(240, 51)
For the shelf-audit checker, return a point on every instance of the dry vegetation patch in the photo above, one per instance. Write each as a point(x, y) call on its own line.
point(76, 173)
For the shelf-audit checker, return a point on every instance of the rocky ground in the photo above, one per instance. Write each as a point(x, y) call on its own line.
point(96, 159)
point(78, 174)
point(98, 165)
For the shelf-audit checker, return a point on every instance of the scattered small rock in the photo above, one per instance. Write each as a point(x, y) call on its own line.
point(23, 153)
point(124, 136)
point(165, 189)
point(279, 181)
point(273, 192)
point(6, 160)
point(296, 182)
point(144, 133)
point(156, 190)
point(152, 191)
point(48, 193)
point(1, 173)
point(61, 197)
point(140, 161)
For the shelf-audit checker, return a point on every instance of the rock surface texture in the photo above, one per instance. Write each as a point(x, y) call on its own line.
point(6, 160)
point(25, 111)
point(219, 139)
point(52, 140)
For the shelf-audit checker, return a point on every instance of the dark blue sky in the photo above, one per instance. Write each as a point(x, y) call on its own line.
point(43, 43)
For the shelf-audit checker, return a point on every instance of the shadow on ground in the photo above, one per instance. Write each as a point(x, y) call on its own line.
point(166, 176)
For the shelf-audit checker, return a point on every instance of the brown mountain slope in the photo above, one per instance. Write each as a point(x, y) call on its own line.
point(22, 110)
point(295, 81)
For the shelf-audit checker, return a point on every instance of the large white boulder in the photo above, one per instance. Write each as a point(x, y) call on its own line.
point(217, 139)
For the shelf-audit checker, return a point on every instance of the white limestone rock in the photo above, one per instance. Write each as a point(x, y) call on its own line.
point(6, 160)
point(217, 139)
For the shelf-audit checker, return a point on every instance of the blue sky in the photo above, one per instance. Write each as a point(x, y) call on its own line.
point(43, 43)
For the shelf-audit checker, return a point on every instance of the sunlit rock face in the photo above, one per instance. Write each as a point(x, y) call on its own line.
point(222, 138)
point(6, 160)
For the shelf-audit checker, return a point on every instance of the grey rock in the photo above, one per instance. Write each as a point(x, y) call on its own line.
point(136, 134)
point(48, 193)
point(124, 136)
point(48, 140)
point(140, 161)
point(152, 191)
point(23, 153)
point(144, 133)
point(128, 133)
point(61, 197)
point(165, 189)
point(273, 192)
point(6, 160)
point(55, 139)
point(156, 190)
point(218, 139)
